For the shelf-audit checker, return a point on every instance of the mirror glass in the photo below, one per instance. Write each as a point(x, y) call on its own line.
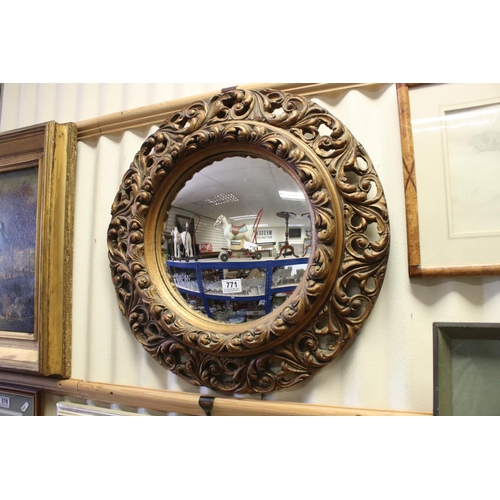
point(237, 239)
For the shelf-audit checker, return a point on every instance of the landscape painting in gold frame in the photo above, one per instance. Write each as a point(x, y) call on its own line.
point(450, 137)
point(37, 175)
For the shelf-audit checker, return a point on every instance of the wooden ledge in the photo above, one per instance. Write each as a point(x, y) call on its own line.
point(183, 402)
point(157, 113)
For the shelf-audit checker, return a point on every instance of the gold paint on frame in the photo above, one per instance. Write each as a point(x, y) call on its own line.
point(44, 347)
point(349, 241)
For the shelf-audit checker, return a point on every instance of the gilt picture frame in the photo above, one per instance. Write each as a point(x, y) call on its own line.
point(37, 176)
point(450, 138)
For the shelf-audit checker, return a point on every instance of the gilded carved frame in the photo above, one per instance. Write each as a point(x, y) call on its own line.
point(350, 241)
point(49, 149)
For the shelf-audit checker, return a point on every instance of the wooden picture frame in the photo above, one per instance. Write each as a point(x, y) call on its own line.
point(448, 180)
point(37, 181)
point(16, 401)
point(466, 368)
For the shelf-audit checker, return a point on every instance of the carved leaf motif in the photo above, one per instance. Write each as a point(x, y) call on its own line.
point(346, 268)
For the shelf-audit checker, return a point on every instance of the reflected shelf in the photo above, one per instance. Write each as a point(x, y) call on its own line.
point(259, 283)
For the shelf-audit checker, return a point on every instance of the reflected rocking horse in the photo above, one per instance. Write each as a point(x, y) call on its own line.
point(244, 233)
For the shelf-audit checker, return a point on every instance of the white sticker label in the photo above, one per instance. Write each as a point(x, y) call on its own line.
point(231, 286)
point(4, 402)
point(25, 406)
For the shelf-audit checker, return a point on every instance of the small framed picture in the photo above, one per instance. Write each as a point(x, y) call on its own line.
point(467, 369)
point(19, 401)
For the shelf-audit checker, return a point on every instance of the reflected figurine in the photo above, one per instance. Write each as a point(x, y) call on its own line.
point(183, 238)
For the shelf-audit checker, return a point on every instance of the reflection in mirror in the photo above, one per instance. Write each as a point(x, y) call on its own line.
point(237, 239)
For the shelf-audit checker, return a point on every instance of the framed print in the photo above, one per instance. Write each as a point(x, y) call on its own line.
point(37, 175)
point(19, 401)
point(450, 135)
point(68, 409)
point(466, 369)
point(184, 222)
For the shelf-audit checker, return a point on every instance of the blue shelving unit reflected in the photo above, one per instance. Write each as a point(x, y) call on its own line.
point(269, 265)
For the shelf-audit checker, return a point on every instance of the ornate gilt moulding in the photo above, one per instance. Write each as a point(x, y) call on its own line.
point(350, 241)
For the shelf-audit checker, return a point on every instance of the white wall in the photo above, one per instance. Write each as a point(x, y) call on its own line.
point(390, 364)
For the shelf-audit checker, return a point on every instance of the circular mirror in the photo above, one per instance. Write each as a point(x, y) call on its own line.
point(237, 239)
point(280, 340)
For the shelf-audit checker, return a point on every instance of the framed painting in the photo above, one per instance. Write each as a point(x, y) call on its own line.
point(184, 222)
point(37, 175)
point(450, 136)
point(20, 401)
point(466, 369)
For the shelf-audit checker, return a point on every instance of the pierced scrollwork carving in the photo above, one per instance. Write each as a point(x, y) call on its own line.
point(350, 241)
